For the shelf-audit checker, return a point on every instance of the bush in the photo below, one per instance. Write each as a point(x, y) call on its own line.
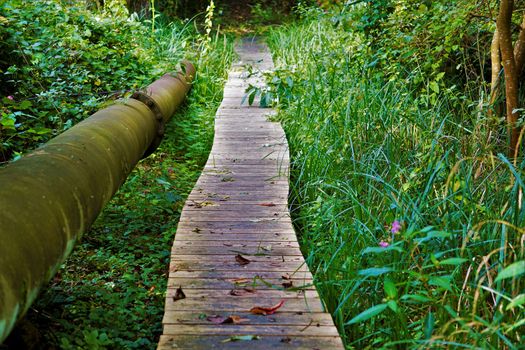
point(61, 61)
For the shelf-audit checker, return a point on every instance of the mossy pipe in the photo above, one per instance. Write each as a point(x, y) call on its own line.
point(51, 196)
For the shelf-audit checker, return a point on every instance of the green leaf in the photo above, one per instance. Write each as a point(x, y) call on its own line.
point(434, 86)
point(429, 325)
point(374, 271)
point(241, 338)
point(390, 288)
point(25, 104)
point(367, 314)
point(393, 306)
point(513, 270)
point(453, 261)
point(251, 98)
point(441, 281)
point(381, 250)
point(415, 298)
point(517, 301)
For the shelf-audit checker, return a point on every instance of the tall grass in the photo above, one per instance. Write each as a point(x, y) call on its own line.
point(370, 152)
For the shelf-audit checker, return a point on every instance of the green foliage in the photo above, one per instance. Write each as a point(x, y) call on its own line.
point(410, 223)
point(110, 293)
point(423, 39)
point(60, 61)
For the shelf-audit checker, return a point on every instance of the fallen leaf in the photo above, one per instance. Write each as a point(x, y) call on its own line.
point(286, 277)
point(217, 319)
point(242, 292)
point(286, 340)
point(241, 260)
point(258, 310)
point(233, 319)
point(241, 337)
point(268, 248)
point(196, 230)
point(288, 284)
point(267, 205)
point(240, 280)
point(179, 294)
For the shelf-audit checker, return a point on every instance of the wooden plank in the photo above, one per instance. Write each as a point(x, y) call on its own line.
point(230, 330)
point(277, 342)
point(248, 251)
point(182, 244)
point(217, 283)
point(282, 318)
point(228, 263)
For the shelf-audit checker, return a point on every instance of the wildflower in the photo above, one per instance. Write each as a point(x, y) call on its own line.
point(10, 97)
point(396, 227)
point(384, 244)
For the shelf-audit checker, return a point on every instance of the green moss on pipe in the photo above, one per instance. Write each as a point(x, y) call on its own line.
point(49, 198)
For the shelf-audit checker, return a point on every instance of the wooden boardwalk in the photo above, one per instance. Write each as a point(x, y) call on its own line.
point(235, 247)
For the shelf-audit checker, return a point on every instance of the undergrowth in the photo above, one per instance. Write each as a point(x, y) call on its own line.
point(410, 220)
point(110, 292)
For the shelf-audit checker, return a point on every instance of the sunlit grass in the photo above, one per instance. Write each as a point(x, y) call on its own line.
point(368, 151)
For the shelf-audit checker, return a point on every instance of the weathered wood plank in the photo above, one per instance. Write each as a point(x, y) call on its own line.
point(277, 342)
point(216, 283)
point(282, 318)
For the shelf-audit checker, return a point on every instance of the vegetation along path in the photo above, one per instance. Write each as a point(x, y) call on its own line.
point(237, 274)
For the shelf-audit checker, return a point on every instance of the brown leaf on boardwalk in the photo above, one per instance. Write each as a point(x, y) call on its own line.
point(179, 294)
point(286, 277)
point(241, 260)
point(267, 205)
point(217, 319)
point(288, 284)
point(240, 280)
point(232, 319)
point(242, 292)
point(259, 310)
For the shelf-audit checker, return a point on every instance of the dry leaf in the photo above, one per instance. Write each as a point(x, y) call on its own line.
point(286, 277)
point(240, 280)
point(288, 284)
point(286, 340)
point(242, 292)
point(259, 310)
point(267, 205)
point(241, 260)
point(233, 319)
point(179, 294)
point(217, 319)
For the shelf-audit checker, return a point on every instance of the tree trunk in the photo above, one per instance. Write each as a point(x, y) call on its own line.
point(495, 77)
point(503, 25)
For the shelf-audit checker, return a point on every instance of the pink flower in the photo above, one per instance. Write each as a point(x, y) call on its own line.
point(396, 227)
point(10, 97)
point(384, 244)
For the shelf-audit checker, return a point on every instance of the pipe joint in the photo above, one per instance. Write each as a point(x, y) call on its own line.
point(159, 119)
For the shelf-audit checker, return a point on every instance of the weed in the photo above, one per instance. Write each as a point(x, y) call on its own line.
point(409, 220)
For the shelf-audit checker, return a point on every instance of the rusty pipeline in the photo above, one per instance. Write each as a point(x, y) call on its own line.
point(51, 196)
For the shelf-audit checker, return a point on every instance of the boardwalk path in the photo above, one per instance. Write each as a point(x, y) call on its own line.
point(239, 207)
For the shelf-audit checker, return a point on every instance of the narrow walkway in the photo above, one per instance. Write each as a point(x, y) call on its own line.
point(235, 247)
